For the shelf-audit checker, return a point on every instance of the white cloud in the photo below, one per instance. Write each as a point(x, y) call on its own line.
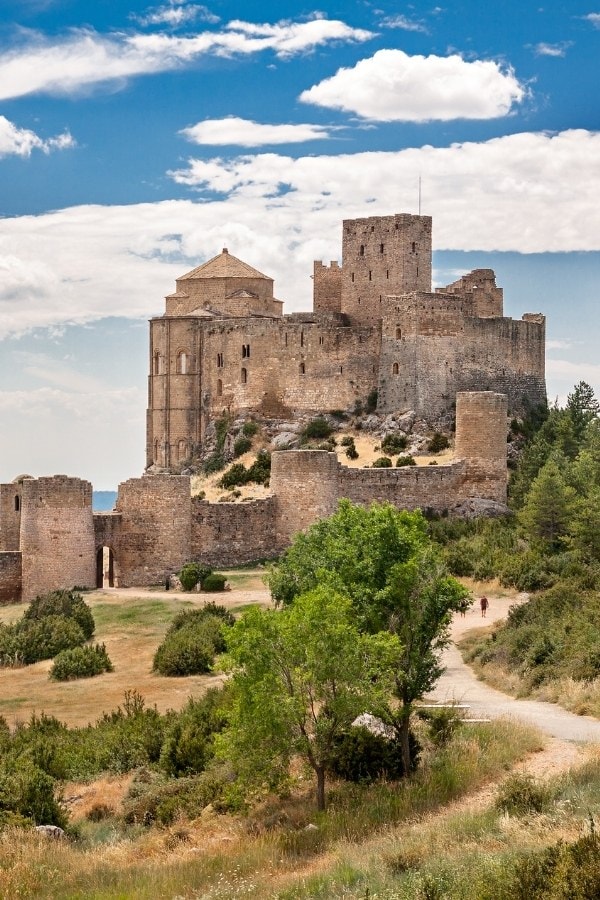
point(404, 23)
point(177, 13)
point(21, 142)
point(245, 133)
point(594, 18)
point(558, 50)
point(392, 86)
point(86, 58)
point(85, 263)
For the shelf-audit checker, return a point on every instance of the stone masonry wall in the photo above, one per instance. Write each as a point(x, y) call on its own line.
point(481, 426)
point(10, 516)
point(57, 535)
point(10, 577)
point(327, 287)
point(155, 529)
point(231, 534)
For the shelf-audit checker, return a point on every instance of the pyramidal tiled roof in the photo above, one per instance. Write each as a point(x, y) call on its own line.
point(224, 266)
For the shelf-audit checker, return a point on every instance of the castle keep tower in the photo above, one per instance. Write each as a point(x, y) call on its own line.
point(383, 256)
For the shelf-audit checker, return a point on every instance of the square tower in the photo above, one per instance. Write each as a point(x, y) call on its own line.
point(383, 256)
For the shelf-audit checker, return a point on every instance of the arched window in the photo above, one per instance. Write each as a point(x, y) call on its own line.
point(395, 369)
point(244, 376)
point(398, 332)
point(219, 387)
point(181, 366)
point(17, 503)
point(414, 247)
point(245, 351)
point(361, 251)
point(302, 369)
point(158, 364)
point(220, 361)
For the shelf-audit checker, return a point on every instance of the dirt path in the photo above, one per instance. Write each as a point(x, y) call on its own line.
point(459, 683)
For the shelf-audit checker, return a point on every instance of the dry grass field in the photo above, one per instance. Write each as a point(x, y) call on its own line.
point(131, 623)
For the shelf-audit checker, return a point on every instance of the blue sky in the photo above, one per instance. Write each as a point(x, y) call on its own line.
point(137, 140)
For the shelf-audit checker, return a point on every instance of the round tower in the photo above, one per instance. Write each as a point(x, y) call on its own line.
point(57, 535)
point(481, 442)
point(305, 484)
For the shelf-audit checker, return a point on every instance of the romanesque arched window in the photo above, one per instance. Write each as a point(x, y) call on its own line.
point(220, 360)
point(182, 363)
point(245, 351)
point(361, 251)
point(302, 369)
point(244, 376)
point(398, 332)
point(159, 367)
point(395, 369)
point(219, 387)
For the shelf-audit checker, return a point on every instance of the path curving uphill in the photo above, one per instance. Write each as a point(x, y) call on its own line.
point(460, 684)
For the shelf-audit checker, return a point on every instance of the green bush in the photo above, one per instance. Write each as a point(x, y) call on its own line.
point(27, 791)
point(81, 662)
point(241, 446)
point(437, 443)
point(360, 755)
point(384, 462)
point(394, 443)
point(213, 463)
point(259, 472)
point(191, 616)
point(193, 573)
point(371, 403)
point(521, 795)
point(29, 641)
point(163, 801)
point(214, 582)
point(405, 461)
point(189, 651)
point(188, 743)
point(347, 440)
point(62, 603)
point(352, 452)
point(317, 428)
point(250, 428)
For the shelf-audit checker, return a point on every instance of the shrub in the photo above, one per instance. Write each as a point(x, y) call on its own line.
point(62, 603)
point(213, 463)
point(405, 461)
point(437, 442)
point(29, 641)
point(29, 792)
point(523, 794)
point(236, 475)
point(317, 428)
point(214, 582)
point(384, 462)
point(360, 755)
point(250, 428)
point(193, 573)
point(192, 616)
point(371, 404)
point(241, 446)
point(188, 651)
point(394, 443)
point(259, 472)
point(99, 811)
point(352, 452)
point(188, 744)
point(81, 662)
point(347, 440)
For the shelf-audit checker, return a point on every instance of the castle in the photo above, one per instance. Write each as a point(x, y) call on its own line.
point(223, 346)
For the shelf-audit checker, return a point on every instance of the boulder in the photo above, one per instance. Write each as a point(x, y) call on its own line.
point(284, 440)
point(478, 508)
point(51, 831)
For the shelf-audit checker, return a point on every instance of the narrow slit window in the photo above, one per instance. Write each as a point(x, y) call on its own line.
point(361, 252)
point(17, 503)
point(395, 369)
point(244, 376)
point(302, 369)
point(219, 387)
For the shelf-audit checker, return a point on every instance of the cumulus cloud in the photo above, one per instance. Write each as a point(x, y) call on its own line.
point(86, 263)
point(559, 49)
point(392, 86)
point(404, 23)
point(594, 18)
point(177, 13)
point(245, 133)
point(16, 141)
point(85, 58)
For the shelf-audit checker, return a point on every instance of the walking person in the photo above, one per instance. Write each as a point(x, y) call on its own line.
point(484, 603)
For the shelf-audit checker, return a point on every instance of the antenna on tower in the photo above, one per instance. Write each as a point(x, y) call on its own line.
point(419, 195)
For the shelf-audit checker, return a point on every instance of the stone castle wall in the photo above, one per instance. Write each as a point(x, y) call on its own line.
point(233, 533)
point(10, 577)
point(327, 287)
point(57, 535)
point(10, 516)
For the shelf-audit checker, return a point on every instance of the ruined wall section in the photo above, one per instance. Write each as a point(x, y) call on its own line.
point(480, 290)
point(382, 256)
point(231, 534)
point(327, 287)
point(10, 515)
point(305, 484)
point(154, 535)
point(57, 535)
point(432, 488)
point(10, 577)
point(481, 427)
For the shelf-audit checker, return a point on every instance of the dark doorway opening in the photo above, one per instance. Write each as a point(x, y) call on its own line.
point(105, 567)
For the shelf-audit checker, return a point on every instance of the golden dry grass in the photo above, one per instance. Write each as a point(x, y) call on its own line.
point(132, 624)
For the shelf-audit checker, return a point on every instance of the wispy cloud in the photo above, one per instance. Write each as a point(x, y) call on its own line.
point(86, 58)
point(15, 141)
point(594, 18)
point(404, 23)
point(392, 86)
point(246, 133)
point(177, 13)
point(559, 49)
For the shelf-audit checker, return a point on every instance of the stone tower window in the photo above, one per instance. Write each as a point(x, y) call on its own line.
point(370, 275)
point(244, 376)
point(341, 370)
point(361, 252)
point(17, 503)
point(302, 369)
point(220, 361)
point(182, 363)
point(395, 369)
point(285, 339)
point(158, 364)
point(245, 351)
point(219, 387)
point(321, 340)
point(414, 247)
point(381, 248)
point(387, 273)
point(302, 339)
point(352, 276)
point(398, 332)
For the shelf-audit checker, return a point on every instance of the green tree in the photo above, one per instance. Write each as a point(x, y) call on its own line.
point(384, 561)
point(300, 677)
point(582, 407)
point(549, 506)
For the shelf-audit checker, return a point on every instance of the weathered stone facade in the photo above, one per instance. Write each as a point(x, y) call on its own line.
point(223, 345)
